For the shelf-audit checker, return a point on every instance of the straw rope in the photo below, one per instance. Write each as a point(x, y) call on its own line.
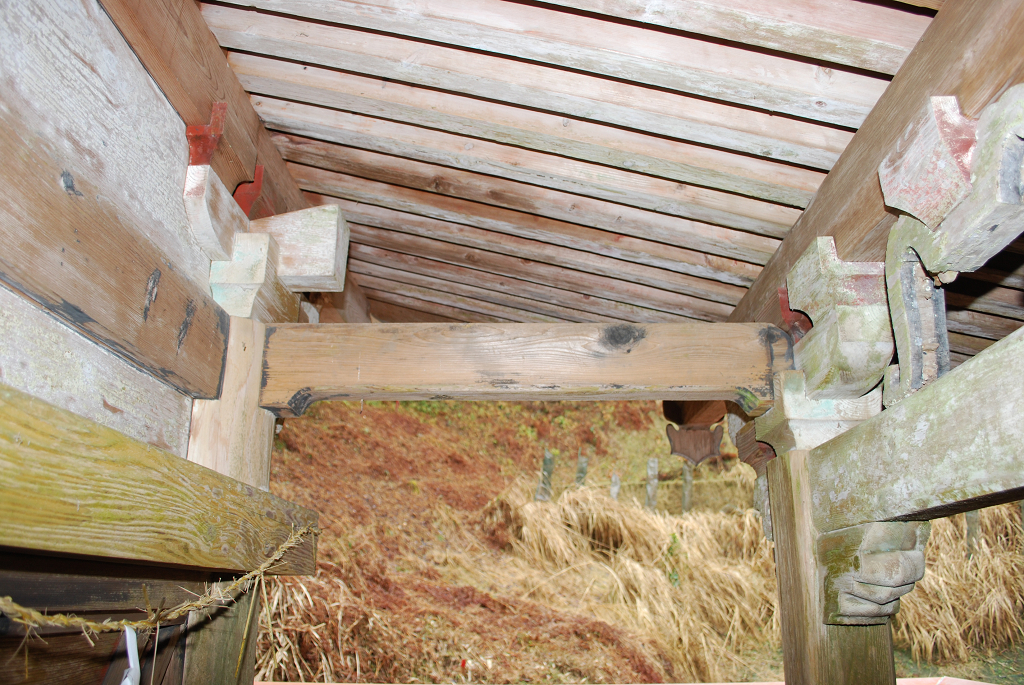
point(30, 618)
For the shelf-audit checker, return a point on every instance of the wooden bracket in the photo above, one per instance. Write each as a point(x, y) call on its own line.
point(313, 246)
point(246, 194)
point(248, 286)
point(213, 215)
point(850, 345)
point(203, 138)
point(868, 568)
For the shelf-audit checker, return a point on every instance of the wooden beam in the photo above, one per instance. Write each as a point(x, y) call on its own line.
point(595, 113)
point(627, 151)
point(393, 313)
point(687, 200)
point(81, 257)
point(72, 486)
point(312, 246)
point(687, 271)
point(719, 72)
point(173, 42)
point(41, 356)
point(440, 309)
point(519, 258)
point(522, 197)
point(596, 308)
point(304, 363)
point(348, 306)
point(856, 34)
point(969, 51)
point(952, 446)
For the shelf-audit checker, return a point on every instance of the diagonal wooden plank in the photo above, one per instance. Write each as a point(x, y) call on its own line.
point(393, 313)
point(665, 60)
point(535, 294)
point(564, 173)
point(439, 309)
point(857, 34)
point(708, 272)
point(512, 258)
point(539, 117)
point(522, 197)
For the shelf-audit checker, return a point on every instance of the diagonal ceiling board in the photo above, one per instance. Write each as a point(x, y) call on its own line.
point(857, 34)
point(472, 298)
point(577, 139)
point(426, 306)
point(513, 195)
point(731, 74)
point(701, 275)
point(512, 257)
point(539, 117)
point(386, 312)
point(534, 295)
point(549, 171)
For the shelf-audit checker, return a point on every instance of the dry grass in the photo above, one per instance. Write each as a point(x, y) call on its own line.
point(964, 605)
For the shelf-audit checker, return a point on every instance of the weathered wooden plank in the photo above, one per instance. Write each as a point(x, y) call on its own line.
point(692, 198)
point(695, 273)
point(523, 259)
point(348, 306)
point(248, 285)
point(173, 42)
point(213, 215)
point(594, 308)
point(304, 363)
point(856, 34)
point(71, 486)
point(43, 357)
point(554, 204)
point(952, 446)
point(503, 305)
point(66, 246)
point(528, 260)
point(591, 108)
point(969, 51)
point(437, 309)
point(967, 344)
point(1003, 302)
point(665, 60)
point(393, 313)
point(625, 150)
point(980, 325)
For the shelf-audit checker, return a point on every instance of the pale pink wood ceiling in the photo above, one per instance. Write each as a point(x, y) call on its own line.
point(574, 160)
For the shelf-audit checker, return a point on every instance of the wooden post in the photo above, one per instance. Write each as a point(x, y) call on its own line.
point(687, 494)
point(617, 484)
point(652, 484)
point(544, 487)
point(581, 469)
point(971, 520)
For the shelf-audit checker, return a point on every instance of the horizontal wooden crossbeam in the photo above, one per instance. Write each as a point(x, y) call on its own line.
point(71, 486)
point(953, 446)
point(306, 363)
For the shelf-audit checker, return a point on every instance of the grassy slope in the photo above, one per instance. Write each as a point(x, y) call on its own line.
point(420, 584)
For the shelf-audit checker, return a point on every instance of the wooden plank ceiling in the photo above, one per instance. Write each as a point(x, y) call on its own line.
point(576, 160)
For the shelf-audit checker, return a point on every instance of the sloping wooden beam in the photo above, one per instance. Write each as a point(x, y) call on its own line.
point(953, 446)
point(306, 363)
point(522, 197)
point(597, 110)
point(71, 486)
point(173, 42)
point(970, 50)
point(703, 275)
point(688, 200)
point(430, 306)
point(393, 313)
point(857, 34)
point(537, 34)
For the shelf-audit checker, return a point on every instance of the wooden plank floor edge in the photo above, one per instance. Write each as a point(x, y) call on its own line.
point(71, 486)
point(306, 363)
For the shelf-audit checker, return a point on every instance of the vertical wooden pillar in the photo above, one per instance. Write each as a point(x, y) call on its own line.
point(233, 436)
point(815, 653)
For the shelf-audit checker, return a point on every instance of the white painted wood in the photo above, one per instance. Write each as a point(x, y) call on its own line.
point(665, 60)
point(67, 70)
point(312, 246)
point(213, 214)
point(45, 358)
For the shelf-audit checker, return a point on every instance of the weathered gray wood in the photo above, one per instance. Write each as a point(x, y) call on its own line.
point(543, 493)
point(429, 312)
point(652, 484)
point(592, 108)
point(747, 208)
point(522, 197)
point(653, 58)
point(43, 357)
point(952, 446)
point(305, 363)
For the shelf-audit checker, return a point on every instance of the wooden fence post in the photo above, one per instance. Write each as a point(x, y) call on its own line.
point(652, 484)
point(617, 484)
point(544, 487)
point(581, 469)
point(687, 482)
